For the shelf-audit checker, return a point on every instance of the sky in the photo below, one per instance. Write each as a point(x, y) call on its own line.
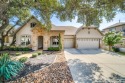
point(104, 24)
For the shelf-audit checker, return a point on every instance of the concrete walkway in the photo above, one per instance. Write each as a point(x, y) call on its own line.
point(88, 66)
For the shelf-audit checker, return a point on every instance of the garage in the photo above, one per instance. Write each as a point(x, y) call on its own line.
point(88, 38)
point(68, 42)
point(88, 43)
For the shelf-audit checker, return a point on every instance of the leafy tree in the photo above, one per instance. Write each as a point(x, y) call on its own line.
point(90, 12)
point(12, 11)
point(45, 10)
point(112, 38)
point(60, 44)
point(8, 67)
point(21, 10)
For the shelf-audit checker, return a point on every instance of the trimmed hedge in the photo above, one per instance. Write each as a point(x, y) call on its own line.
point(34, 55)
point(53, 48)
point(12, 48)
point(39, 53)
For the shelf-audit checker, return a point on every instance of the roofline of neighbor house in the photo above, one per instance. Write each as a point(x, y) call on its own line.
point(113, 26)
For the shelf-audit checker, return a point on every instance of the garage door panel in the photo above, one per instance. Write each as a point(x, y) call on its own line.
point(68, 43)
point(87, 43)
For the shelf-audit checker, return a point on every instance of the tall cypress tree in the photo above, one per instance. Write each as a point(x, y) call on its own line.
point(60, 44)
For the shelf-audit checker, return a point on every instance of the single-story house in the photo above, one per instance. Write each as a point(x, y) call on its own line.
point(71, 37)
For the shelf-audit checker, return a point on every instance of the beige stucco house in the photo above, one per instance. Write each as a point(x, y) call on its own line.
point(35, 36)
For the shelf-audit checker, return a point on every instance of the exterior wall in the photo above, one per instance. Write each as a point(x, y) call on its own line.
point(46, 38)
point(35, 32)
point(56, 33)
point(118, 28)
point(105, 31)
point(86, 35)
point(26, 30)
point(94, 33)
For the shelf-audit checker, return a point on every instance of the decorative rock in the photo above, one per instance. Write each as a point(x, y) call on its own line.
point(58, 72)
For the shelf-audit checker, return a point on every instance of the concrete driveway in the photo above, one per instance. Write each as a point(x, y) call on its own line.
point(88, 66)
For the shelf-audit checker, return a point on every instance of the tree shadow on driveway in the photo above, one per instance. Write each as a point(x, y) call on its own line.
point(89, 72)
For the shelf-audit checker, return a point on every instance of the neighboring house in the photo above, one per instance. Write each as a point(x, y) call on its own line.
point(118, 27)
point(35, 36)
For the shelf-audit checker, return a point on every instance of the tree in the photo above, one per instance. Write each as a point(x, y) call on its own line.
point(8, 67)
point(90, 12)
point(60, 44)
point(112, 38)
point(12, 11)
point(45, 10)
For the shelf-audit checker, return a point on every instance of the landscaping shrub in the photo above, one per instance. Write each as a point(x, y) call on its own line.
point(23, 59)
point(17, 54)
point(53, 48)
point(0, 48)
point(26, 49)
point(60, 44)
point(39, 53)
point(115, 49)
point(8, 67)
point(13, 48)
point(34, 55)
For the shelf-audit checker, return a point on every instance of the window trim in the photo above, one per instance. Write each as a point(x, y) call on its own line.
point(25, 41)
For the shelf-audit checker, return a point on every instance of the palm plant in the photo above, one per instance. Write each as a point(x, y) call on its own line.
point(112, 38)
point(8, 67)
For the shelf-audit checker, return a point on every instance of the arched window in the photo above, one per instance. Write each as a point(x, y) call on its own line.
point(25, 40)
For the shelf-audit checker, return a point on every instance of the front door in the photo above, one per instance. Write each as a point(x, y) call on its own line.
point(40, 42)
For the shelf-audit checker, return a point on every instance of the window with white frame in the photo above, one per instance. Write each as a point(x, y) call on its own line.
point(25, 40)
point(55, 40)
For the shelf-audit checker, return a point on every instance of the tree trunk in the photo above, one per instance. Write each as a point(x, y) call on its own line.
point(2, 41)
point(110, 47)
point(14, 40)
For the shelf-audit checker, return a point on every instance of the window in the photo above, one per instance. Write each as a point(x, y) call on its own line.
point(32, 24)
point(112, 29)
point(55, 40)
point(25, 40)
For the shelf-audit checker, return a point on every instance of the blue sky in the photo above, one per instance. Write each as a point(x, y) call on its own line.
point(104, 24)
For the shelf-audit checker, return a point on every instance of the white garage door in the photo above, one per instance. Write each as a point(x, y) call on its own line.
point(68, 43)
point(83, 43)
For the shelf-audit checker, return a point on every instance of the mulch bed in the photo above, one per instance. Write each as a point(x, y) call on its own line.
point(58, 72)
